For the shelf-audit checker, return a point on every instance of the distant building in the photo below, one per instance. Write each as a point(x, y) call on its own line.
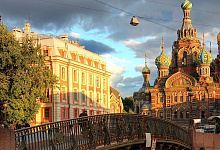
point(83, 78)
point(187, 86)
point(116, 105)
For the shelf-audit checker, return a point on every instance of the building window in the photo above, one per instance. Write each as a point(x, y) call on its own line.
point(181, 114)
point(175, 98)
point(90, 80)
point(83, 78)
point(184, 59)
point(91, 96)
point(97, 82)
point(75, 75)
point(98, 98)
point(187, 114)
point(187, 98)
point(63, 93)
point(45, 52)
point(46, 113)
point(203, 98)
point(63, 73)
point(75, 95)
point(112, 109)
point(203, 114)
point(176, 59)
point(161, 114)
point(76, 113)
point(181, 98)
point(104, 84)
point(104, 99)
point(83, 96)
point(47, 93)
point(91, 112)
point(64, 113)
point(161, 99)
point(175, 115)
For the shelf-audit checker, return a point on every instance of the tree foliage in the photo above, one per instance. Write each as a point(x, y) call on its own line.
point(23, 77)
point(128, 104)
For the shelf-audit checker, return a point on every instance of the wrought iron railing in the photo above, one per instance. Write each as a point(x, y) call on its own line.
point(93, 131)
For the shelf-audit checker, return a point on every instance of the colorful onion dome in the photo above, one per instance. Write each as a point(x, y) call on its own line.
point(204, 57)
point(186, 5)
point(162, 60)
point(218, 37)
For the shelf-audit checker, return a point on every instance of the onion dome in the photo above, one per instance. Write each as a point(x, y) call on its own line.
point(146, 69)
point(204, 57)
point(162, 60)
point(218, 37)
point(186, 5)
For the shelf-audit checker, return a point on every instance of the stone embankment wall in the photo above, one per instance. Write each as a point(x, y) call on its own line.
point(7, 139)
point(209, 141)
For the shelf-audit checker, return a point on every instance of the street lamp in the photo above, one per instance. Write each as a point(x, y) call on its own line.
point(5, 106)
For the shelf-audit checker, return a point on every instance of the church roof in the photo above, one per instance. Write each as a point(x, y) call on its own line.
point(115, 92)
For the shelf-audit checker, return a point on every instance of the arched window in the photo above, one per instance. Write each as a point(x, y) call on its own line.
point(176, 59)
point(91, 96)
point(184, 58)
point(137, 110)
point(175, 114)
point(112, 109)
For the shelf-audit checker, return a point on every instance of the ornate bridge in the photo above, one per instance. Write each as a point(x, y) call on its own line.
point(108, 131)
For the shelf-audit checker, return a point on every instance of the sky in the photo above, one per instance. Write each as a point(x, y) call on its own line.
point(103, 26)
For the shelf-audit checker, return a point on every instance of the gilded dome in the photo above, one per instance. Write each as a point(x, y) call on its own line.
point(204, 57)
point(186, 5)
point(162, 59)
point(146, 70)
point(218, 37)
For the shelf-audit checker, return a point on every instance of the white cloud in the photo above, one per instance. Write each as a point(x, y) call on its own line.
point(75, 35)
point(132, 43)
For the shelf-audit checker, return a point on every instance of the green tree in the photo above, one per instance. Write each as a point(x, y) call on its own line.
point(23, 77)
point(128, 104)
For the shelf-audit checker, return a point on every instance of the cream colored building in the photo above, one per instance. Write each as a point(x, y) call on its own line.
point(83, 78)
point(116, 104)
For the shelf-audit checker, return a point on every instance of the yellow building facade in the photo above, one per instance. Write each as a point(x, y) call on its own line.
point(116, 104)
point(83, 78)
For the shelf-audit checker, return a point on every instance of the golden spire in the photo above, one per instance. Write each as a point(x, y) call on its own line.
point(145, 59)
point(162, 45)
point(203, 38)
point(210, 48)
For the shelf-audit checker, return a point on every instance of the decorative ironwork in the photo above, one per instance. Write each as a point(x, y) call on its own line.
point(101, 130)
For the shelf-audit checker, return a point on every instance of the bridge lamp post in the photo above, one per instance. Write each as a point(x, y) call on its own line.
point(5, 107)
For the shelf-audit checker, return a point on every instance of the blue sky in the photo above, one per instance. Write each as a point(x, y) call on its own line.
point(107, 31)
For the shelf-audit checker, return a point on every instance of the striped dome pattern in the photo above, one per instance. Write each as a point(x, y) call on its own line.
point(204, 57)
point(186, 5)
